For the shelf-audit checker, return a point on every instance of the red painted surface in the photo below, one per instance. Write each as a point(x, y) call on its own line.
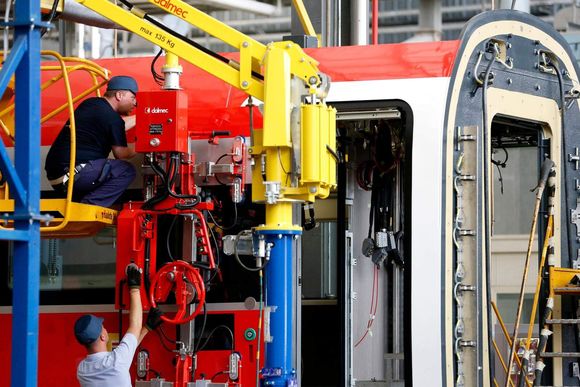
point(216, 106)
point(59, 353)
point(162, 117)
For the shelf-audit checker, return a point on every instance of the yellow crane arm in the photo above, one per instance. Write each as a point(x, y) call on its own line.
point(245, 75)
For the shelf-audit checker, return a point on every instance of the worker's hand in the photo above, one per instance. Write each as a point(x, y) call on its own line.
point(153, 319)
point(133, 276)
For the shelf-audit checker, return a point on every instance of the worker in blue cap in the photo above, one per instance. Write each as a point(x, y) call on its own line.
point(102, 368)
point(100, 129)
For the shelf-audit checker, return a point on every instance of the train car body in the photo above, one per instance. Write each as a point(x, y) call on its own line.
point(396, 281)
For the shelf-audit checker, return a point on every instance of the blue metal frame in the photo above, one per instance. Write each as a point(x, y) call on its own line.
point(278, 368)
point(24, 180)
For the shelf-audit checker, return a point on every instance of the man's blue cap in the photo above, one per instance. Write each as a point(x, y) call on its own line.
point(123, 82)
point(88, 328)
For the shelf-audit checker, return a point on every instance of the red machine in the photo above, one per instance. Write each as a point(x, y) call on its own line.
point(181, 278)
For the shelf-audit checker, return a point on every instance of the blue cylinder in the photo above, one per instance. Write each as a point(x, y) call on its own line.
point(278, 368)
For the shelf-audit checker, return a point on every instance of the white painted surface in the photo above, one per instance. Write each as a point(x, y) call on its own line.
point(427, 98)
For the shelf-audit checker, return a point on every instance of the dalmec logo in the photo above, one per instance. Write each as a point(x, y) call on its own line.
point(155, 110)
point(168, 5)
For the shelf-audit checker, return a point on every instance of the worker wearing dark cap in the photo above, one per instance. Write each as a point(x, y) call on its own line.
point(102, 368)
point(100, 129)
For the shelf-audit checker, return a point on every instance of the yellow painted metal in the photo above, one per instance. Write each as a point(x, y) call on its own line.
point(276, 99)
point(169, 43)
point(46, 6)
point(310, 144)
point(87, 220)
point(304, 18)
point(318, 142)
point(72, 219)
point(254, 52)
point(171, 62)
point(279, 217)
point(303, 66)
point(560, 281)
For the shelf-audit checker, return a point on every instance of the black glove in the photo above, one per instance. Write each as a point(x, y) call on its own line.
point(133, 276)
point(153, 319)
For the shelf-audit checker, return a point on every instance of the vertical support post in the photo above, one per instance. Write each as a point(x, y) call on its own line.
point(26, 266)
point(279, 229)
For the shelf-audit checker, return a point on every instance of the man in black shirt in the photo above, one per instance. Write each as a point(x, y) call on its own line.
point(100, 129)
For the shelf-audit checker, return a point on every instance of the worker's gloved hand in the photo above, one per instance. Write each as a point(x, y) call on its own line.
point(133, 276)
point(153, 319)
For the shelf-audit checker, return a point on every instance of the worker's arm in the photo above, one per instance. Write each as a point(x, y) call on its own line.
point(130, 121)
point(124, 152)
point(135, 308)
point(135, 314)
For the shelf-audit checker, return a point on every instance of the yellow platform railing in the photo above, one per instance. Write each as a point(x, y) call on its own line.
point(87, 219)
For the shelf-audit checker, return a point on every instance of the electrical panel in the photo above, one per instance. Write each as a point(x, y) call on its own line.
point(162, 122)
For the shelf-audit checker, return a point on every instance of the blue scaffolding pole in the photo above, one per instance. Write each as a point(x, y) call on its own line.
point(24, 179)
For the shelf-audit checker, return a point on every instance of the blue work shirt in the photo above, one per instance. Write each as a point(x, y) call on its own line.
point(109, 369)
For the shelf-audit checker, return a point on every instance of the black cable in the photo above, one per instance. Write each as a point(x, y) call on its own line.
point(159, 79)
point(169, 231)
point(500, 179)
point(217, 161)
point(163, 341)
point(172, 176)
point(157, 373)
point(160, 328)
point(234, 224)
point(237, 256)
point(202, 328)
point(160, 196)
point(187, 40)
point(213, 331)
point(51, 16)
point(281, 164)
point(502, 164)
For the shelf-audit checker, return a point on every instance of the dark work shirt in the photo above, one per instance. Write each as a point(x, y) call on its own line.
point(98, 129)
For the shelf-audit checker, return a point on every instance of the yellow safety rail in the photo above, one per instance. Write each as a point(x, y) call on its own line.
point(88, 219)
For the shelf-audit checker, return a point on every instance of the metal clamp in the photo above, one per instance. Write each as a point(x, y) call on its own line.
point(574, 158)
point(272, 193)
